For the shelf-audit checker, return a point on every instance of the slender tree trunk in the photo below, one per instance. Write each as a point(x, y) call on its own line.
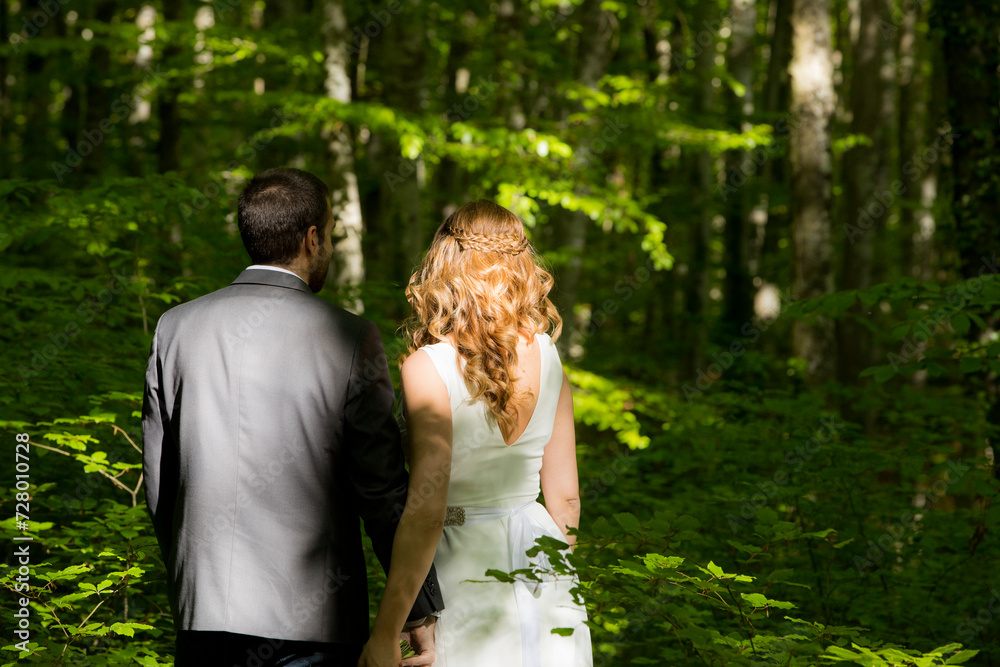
point(98, 91)
point(572, 226)
point(399, 54)
point(971, 61)
point(917, 221)
point(868, 198)
point(348, 271)
point(703, 188)
point(971, 56)
point(449, 180)
point(912, 137)
point(5, 115)
point(169, 113)
point(738, 288)
point(36, 139)
point(69, 116)
point(811, 159)
point(509, 54)
point(661, 308)
point(777, 87)
point(772, 218)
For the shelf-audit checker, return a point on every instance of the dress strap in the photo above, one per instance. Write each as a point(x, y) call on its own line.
point(445, 360)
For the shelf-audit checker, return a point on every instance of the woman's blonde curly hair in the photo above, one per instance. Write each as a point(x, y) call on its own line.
point(481, 287)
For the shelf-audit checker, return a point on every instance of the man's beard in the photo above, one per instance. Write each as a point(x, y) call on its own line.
point(317, 273)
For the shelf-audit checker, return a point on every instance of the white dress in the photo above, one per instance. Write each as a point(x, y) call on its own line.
point(497, 486)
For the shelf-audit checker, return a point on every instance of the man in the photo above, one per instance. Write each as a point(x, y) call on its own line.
point(268, 430)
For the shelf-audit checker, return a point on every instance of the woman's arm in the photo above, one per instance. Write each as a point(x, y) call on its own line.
point(428, 419)
point(560, 483)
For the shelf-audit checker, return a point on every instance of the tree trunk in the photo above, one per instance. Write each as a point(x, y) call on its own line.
point(399, 54)
point(696, 287)
point(971, 59)
point(98, 91)
point(916, 219)
point(738, 288)
point(170, 121)
point(69, 115)
point(572, 226)
point(36, 140)
point(776, 87)
point(868, 198)
point(971, 56)
point(5, 115)
point(811, 159)
point(348, 270)
point(772, 218)
point(449, 180)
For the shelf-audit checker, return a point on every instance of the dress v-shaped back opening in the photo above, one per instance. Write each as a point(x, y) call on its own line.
point(538, 396)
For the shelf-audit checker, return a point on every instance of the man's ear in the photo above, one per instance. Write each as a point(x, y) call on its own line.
point(312, 240)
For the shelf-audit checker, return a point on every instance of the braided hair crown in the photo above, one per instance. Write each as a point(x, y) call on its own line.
point(508, 244)
point(505, 241)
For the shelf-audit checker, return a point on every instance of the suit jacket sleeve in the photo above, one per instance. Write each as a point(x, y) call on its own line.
point(377, 471)
point(159, 454)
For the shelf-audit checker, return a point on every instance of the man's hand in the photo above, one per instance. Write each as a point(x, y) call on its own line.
point(381, 653)
point(421, 639)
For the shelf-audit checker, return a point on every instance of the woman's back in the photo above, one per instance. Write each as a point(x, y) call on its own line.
point(486, 470)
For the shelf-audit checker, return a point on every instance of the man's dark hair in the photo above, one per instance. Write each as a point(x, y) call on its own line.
point(276, 209)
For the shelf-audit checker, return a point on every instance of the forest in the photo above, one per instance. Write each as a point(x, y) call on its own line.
point(773, 226)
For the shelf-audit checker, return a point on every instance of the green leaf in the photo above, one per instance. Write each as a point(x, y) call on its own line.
point(629, 523)
point(128, 629)
point(500, 575)
point(960, 324)
point(745, 548)
point(961, 657)
point(970, 364)
point(881, 373)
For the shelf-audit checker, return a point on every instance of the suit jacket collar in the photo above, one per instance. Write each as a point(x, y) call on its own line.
point(271, 278)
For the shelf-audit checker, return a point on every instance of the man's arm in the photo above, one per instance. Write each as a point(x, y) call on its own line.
point(377, 471)
point(159, 454)
point(428, 418)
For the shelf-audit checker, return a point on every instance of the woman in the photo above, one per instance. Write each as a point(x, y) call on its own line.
point(484, 376)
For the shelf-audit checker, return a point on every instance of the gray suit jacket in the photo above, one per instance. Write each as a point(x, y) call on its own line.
point(268, 430)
